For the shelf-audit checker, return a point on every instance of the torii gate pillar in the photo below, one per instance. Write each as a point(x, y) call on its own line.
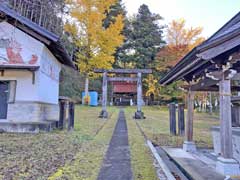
point(139, 114)
point(104, 113)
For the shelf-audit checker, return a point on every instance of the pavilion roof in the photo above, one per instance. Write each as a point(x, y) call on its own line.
point(201, 57)
point(51, 40)
point(124, 87)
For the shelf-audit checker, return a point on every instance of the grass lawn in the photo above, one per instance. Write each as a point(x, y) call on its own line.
point(87, 162)
point(38, 156)
point(156, 127)
point(79, 154)
point(141, 158)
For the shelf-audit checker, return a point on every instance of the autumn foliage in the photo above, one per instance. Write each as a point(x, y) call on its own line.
point(96, 44)
point(180, 40)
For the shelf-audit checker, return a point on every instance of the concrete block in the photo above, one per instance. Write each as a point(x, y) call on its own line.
point(103, 114)
point(235, 141)
point(228, 167)
point(26, 127)
point(216, 140)
point(139, 115)
point(189, 146)
point(32, 112)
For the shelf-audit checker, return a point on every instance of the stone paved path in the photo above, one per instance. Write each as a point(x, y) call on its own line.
point(117, 161)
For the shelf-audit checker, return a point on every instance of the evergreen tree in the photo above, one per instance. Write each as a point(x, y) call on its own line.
point(146, 37)
point(123, 54)
point(115, 10)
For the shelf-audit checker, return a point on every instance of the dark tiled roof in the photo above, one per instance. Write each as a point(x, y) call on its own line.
point(227, 31)
point(225, 27)
point(55, 46)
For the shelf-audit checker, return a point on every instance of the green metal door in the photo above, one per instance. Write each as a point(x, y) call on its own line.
point(3, 99)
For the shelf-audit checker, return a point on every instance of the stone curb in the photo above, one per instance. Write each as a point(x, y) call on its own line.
point(160, 161)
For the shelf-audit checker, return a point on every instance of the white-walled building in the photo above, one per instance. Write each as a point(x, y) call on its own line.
point(30, 65)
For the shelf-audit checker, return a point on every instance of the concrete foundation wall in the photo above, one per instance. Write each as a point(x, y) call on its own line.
point(235, 140)
point(32, 112)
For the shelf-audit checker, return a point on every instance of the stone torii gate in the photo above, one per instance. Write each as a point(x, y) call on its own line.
point(139, 114)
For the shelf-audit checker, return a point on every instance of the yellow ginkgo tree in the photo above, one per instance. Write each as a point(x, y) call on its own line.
point(95, 44)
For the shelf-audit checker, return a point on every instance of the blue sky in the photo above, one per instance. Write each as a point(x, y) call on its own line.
point(209, 14)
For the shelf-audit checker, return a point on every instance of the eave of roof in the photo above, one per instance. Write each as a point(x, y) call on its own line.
point(55, 46)
point(19, 67)
point(40, 30)
point(181, 68)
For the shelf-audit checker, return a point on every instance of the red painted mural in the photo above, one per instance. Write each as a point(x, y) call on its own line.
point(13, 54)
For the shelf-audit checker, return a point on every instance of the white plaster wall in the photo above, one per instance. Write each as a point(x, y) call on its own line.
point(49, 78)
point(25, 90)
point(48, 90)
point(44, 90)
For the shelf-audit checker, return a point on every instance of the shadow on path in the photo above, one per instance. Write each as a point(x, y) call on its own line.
point(117, 161)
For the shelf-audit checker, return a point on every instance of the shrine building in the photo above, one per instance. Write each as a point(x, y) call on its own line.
point(30, 65)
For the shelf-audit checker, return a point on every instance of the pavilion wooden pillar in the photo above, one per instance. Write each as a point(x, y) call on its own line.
point(104, 113)
point(226, 164)
point(225, 118)
point(139, 114)
point(189, 144)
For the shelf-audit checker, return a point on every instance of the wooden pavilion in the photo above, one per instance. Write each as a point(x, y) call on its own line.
point(213, 66)
point(124, 92)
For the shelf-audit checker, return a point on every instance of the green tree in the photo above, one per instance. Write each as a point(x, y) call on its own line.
point(114, 11)
point(146, 37)
point(123, 54)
